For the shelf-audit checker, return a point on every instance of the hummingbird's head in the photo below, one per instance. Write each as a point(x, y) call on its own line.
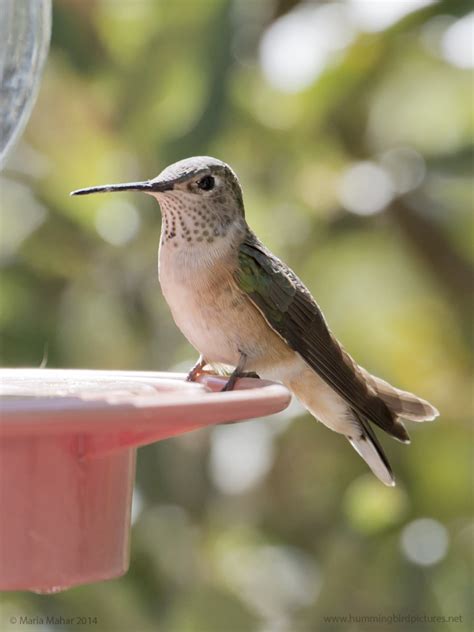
point(200, 198)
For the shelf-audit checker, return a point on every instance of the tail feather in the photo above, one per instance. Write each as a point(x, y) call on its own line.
point(402, 403)
point(399, 431)
point(337, 413)
point(366, 444)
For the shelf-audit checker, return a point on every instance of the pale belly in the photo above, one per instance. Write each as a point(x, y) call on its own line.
point(221, 322)
point(208, 327)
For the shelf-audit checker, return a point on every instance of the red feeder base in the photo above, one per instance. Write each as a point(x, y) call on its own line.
point(68, 443)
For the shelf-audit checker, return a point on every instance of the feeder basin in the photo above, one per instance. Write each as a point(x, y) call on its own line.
point(68, 443)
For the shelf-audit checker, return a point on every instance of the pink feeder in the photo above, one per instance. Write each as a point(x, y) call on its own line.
point(68, 442)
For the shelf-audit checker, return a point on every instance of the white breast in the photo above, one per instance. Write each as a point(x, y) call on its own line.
point(200, 297)
point(217, 318)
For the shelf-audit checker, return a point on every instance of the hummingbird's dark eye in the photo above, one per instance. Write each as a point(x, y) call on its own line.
point(206, 183)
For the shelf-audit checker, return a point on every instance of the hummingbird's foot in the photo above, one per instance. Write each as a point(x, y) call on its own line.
point(197, 370)
point(238, 372)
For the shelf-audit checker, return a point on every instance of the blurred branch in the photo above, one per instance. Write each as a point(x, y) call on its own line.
point(217, 59)
point(75, 33)
point(446, 265)
point(220, 60)
point(459, 162)
point(284, 6)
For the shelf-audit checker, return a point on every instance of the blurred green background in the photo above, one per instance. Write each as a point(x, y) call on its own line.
point(350, 125)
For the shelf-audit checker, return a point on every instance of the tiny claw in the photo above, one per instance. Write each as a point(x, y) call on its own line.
point(197, 370)
point(193, 375)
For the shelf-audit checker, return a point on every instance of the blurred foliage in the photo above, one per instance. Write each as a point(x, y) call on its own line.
point(132, 86)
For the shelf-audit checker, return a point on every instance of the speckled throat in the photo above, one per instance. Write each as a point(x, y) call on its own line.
point(190, 222)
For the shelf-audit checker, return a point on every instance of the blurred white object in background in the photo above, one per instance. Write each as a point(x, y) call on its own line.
point(25, 30)
point(457, 43)
point(365, 188)
point(297, 47)
point(425, 541)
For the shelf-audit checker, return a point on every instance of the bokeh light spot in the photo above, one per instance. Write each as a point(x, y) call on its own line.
point(406, 168)
point(137, 504)
point(273, 580)
point(425, 541)
point(365, 189)
point(297, 47)
point(371, 507)
point(457, 44)
point(20, 216)
point(241, 455)
point(117, 222)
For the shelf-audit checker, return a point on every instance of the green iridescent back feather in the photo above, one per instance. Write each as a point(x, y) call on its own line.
point(291, 311)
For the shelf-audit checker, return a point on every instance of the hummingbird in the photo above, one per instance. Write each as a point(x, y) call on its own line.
point(239, 305)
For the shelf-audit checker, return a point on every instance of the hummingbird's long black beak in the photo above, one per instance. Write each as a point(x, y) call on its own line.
point(149, 186)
